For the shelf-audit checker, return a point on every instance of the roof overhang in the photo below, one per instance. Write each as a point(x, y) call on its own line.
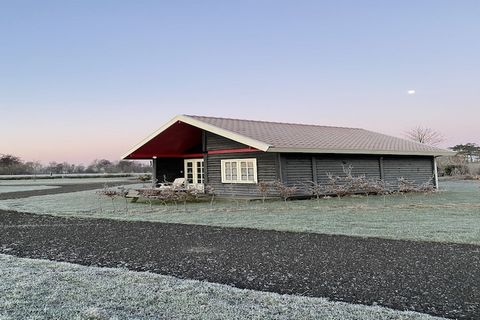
point(361, 151)
point(178, 136)
point(151, 141)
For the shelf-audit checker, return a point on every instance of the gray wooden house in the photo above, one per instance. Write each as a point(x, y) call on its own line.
point(233, 155)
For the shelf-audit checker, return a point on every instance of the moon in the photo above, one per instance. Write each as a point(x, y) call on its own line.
point(411, 92)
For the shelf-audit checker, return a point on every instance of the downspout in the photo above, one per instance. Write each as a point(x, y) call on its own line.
point(435, 172)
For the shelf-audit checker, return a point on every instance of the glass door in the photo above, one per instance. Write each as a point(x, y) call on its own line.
point(194, 173)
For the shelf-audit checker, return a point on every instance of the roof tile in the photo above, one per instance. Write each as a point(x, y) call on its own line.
point(303, 136)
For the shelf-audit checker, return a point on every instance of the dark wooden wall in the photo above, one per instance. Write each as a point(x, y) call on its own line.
point(418, 169)
point(267, 166)
point(298, 169)
point(216, 142)
point(266, 171)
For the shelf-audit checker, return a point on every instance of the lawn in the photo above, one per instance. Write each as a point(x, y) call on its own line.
point(40, 289)
point(450, 215)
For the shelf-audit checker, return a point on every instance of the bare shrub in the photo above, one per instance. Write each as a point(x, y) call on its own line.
point(427, 187)
point(316, 189)
point(186, 195)
point(284, 191)
point(149, 195)
point(123, 192)
point(264, 189)
point(407, 186)
point(109, 193)
point(210, 190)
point(169, 195)
point(378, 186)
point(348, 184)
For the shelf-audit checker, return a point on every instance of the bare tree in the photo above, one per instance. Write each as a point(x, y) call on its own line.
point(424, 135)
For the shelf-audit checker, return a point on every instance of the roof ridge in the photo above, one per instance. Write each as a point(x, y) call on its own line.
point(275, 122)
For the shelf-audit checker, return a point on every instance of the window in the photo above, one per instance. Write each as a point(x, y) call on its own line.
point(239, 171)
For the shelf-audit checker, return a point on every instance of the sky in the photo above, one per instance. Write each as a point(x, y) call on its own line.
point(81, 80)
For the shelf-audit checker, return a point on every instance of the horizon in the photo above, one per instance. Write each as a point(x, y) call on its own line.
point(89, 80)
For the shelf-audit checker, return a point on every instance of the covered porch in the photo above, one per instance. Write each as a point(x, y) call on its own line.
point(176, 152)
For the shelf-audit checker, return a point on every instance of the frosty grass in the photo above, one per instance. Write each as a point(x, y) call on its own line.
point(40, 289)
point(451, 215)
point(16, 188)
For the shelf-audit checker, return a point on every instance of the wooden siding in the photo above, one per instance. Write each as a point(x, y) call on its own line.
point(415, 169)
point(300, 169)
point(334, 165)
point(266, 171)
point(216, 142)
point(297, 171)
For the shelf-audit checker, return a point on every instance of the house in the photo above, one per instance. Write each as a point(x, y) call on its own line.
point(233, 155)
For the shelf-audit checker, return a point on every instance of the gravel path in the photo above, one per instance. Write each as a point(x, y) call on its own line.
point(439, 279)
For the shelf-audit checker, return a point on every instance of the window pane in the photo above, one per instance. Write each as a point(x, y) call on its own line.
point(244, 174)
point(228, 171)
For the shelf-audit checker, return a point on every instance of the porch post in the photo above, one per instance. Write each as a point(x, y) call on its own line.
point(154, 171)
point(435, 172)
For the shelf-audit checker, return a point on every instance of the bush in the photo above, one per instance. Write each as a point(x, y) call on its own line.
point(456, 169)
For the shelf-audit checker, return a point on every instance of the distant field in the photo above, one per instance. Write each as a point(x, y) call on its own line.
point(67, 176)
point(65, 180)
point(451, 215)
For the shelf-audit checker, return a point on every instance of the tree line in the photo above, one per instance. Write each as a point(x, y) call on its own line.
point(11, 165)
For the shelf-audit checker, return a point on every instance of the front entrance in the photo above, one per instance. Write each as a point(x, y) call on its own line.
point(194, 177)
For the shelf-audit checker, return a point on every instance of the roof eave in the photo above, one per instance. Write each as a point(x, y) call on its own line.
point(226, 133)
point(202, 125)
point(362, 151)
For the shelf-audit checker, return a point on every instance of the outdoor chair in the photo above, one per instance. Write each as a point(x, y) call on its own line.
point(177, 184)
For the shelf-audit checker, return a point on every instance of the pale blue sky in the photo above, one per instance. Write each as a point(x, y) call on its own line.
point(88, 79)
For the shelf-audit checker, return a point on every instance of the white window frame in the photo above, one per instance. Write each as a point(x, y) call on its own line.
point(239, 172)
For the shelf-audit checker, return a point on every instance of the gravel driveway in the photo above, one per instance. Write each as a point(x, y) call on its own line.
point(435, 278)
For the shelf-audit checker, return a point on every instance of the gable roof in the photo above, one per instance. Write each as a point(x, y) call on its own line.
point(302, 138)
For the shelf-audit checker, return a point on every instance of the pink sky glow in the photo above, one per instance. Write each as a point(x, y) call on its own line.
point(84, 80)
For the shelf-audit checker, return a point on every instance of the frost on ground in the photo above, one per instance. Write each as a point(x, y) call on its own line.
point(57, 181)
point(17, 188)
point(452, 215)
point(40, 289)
